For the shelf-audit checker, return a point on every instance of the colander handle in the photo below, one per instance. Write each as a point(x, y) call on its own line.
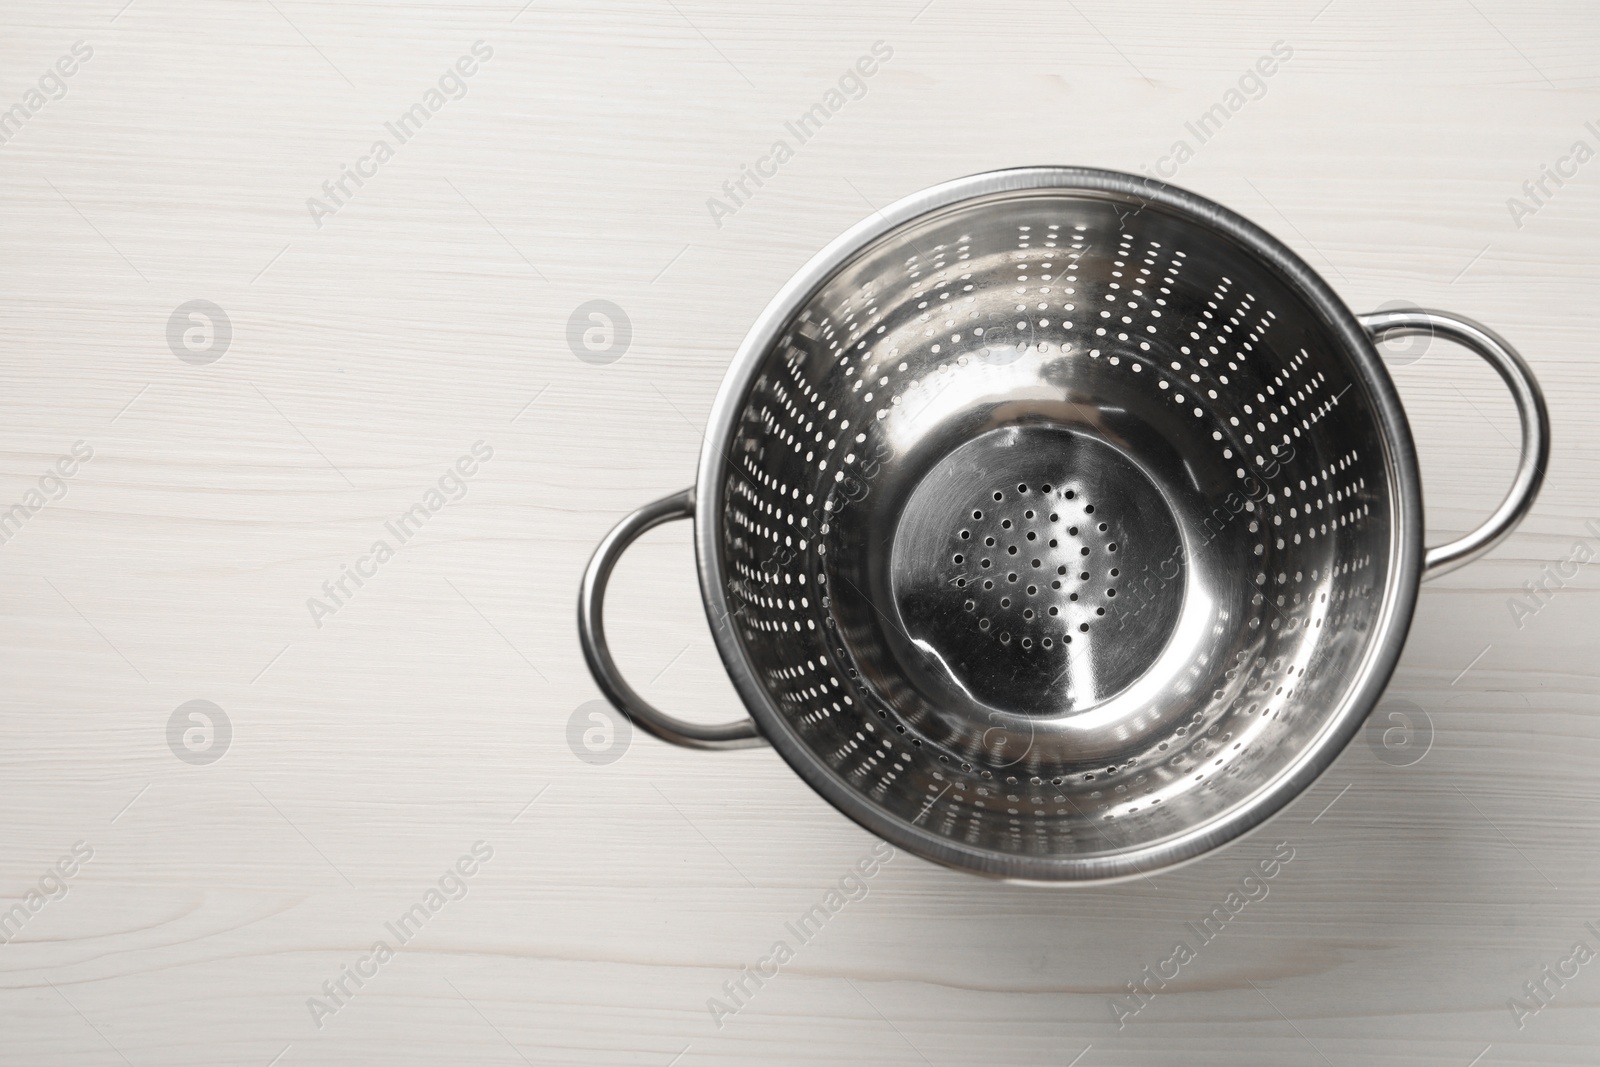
point(1531, 411)
point(592, 635)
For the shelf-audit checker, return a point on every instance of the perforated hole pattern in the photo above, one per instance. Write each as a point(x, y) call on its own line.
point(1036, 564)
point(1287, 458)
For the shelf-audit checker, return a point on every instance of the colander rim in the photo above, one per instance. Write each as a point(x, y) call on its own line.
point(1390, 627)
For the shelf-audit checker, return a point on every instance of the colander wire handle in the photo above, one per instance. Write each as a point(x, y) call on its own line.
point(592, 635)
point(1531, 411)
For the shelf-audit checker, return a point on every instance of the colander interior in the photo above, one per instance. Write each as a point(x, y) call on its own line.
point(1055, 529)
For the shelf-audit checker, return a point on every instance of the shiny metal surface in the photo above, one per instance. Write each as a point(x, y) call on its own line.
point(1531, 412)
point(1059, 526)
point(592, 636)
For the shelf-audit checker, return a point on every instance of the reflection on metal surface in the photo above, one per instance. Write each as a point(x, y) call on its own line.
point(1086, 524)
point(1061, 526)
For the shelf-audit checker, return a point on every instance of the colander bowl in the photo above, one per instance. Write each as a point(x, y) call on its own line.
point(1059, 525)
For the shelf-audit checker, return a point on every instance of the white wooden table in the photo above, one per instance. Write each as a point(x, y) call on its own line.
point(375, 336)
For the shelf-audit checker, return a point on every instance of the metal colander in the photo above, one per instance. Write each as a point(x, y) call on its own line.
point(1059, 525)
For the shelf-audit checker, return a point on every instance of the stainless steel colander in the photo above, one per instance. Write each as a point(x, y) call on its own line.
point(1059, 525)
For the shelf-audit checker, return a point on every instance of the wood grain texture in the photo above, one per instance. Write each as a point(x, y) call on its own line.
point(430, 312)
